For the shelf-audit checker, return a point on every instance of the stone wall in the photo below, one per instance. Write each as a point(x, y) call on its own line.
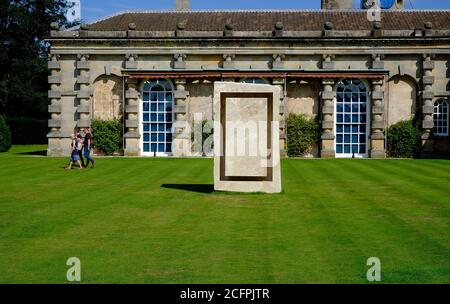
point(88, 75)
point(402, 99)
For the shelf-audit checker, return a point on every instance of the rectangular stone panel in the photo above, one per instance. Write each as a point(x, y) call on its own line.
point(246, 137)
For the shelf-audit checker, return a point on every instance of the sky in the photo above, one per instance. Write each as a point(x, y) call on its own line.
point(95, 9)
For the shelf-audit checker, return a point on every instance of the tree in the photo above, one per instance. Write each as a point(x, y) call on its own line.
point(24, 24)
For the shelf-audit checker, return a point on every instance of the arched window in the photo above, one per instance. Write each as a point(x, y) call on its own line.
point(255, 80)
point(441, 117)
point(351, 118)
point(157, 117)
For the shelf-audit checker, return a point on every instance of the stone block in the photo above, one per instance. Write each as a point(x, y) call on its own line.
point(54, 108)
point(327, 136)
point(278, 65)
point(180, 94)
point(54, 65)
point(84, 123)
point(378, 65)
point(327, 124)
point(428, 65)
point(83, 94)
point(378, 125)
point(54, 80)
point(378, 110)
point(247, 151)
point(328, 110)
point(131, 94)
point(132, 146)
point(229, 65)
point(54, 94)
point(132, 134)
point(83, 79)
point(179, 64)
point(180, 109)
point(54, 123)
point(427, 94)
point(132, 109)
point(428, 80)
point(328, 65)
point(83, 65)
point(377, 95)
point(131, 64)
point(427, 124)
point(428, 110)
point(132, 123)
point(83, 108)
point(328, 95)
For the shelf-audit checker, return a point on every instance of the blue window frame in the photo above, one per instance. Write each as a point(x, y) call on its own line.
point(157, 116)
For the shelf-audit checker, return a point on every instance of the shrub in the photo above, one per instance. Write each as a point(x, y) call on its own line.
point(28, 131)
point(302, 133)
point(107, 135)
point(403, 139)
point(207, 130)
point(5, 135)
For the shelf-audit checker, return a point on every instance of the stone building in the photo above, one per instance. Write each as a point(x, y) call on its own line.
point(156, 70)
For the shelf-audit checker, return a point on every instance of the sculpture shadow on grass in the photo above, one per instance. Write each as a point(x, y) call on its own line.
point(199, 188)
point(34, 153)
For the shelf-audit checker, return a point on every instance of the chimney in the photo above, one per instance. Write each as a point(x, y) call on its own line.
point(182, 5)
point(337, 4)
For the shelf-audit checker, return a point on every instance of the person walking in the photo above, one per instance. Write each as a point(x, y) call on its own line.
point(87, 147)
point(74, 155)
point(79, 143)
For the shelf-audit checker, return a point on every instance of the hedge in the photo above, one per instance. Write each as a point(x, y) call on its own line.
point(403, 139)
point(5, 135)
point(107, 135)
point(28, 131)
point(302, 133)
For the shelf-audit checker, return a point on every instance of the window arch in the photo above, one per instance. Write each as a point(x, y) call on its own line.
point(157, 117)
point(254, 80)
point(351, 118)
point(441, 117)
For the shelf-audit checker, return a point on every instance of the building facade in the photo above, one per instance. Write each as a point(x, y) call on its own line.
point(156, 71)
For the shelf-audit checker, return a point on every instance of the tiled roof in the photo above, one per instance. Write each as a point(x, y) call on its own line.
point(265, 20)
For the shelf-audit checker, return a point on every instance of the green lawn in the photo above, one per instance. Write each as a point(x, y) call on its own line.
point(157, 221)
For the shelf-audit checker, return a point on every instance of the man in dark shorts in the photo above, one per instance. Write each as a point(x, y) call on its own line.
point(87, 147)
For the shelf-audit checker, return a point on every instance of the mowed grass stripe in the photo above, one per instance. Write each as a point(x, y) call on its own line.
point(127, 227)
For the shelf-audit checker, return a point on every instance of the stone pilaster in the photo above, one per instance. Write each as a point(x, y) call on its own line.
point(427, 104)
point(83, 94)
point(54, 109)
point(132, 135)
point(181, 145)
point(280, 82)
point(328, 95)
point(377, 145)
